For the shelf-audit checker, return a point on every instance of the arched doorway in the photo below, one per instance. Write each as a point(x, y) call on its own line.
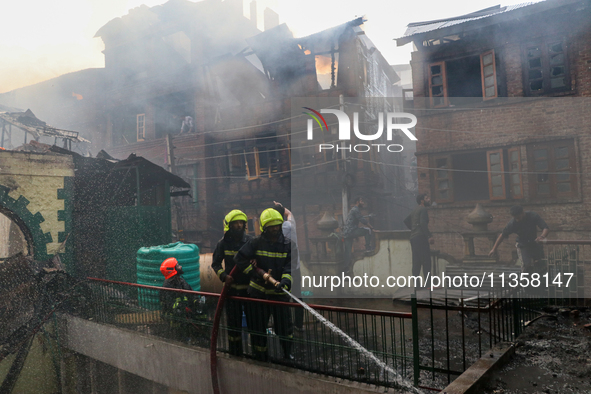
point(12, 238)
point(34, 241)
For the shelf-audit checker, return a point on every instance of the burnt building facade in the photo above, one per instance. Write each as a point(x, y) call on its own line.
point(502, 98)
point(199, 90)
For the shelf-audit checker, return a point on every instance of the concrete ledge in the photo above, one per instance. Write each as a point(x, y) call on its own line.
point(473, 379)
point(187, 368)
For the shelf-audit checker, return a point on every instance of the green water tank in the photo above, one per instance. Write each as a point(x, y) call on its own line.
point(148, 269)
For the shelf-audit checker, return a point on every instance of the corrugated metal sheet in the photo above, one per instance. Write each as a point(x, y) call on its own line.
point(424, 27)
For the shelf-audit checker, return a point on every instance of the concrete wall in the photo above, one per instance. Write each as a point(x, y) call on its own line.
point(171, 368)
point(32, 187)
point(392, 257)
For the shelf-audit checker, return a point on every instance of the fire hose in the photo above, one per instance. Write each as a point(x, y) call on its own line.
point(213, 359)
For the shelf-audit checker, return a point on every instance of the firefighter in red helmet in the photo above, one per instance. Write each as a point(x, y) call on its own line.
point(177, 307)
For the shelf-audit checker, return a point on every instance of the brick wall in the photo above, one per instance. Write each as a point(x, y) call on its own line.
point(515, 121)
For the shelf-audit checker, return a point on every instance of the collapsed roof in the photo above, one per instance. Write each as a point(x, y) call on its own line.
point(29, 123)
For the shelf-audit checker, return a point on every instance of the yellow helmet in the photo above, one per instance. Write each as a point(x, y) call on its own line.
point(270, 217)
point(232, 217)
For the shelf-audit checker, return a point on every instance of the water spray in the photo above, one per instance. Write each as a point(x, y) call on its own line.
point(401, 382)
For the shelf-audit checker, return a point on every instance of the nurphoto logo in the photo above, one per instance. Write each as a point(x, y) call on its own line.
point(344, 123)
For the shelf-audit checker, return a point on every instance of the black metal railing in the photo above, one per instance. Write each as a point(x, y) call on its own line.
point(565, 263)
point(451, 332)
point(315, 347)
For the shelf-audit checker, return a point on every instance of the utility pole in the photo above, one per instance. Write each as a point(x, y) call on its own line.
point(172, 169)
point(170, 154)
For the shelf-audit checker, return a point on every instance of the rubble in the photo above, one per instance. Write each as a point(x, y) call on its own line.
point(554, 357)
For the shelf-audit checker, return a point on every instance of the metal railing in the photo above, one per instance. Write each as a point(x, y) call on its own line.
point(452, 329)
point(567, 257)
point(451, 332)
point(443, 335)
point(315, 347)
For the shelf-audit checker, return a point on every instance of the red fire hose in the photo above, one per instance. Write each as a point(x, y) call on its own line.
point(213, 358)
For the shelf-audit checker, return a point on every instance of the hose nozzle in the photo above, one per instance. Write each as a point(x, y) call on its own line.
point(268, 278)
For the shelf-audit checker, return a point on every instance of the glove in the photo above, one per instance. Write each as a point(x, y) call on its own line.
point(284, 284)
point(223, 276)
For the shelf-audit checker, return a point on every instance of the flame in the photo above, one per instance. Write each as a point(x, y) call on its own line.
point(323, 64)
point(78, 96)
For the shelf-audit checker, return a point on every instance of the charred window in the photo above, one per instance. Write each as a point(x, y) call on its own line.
point(459, 81)
point(266, 161)
point(235, 163)
point(478, 176)
point(554, 170)
point(545, 67)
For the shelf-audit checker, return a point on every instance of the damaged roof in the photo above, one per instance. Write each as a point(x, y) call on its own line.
point(146, 167)
point(28, 122)
point(475, 20)
point(155, 171)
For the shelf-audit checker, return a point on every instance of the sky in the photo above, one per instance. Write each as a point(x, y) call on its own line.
point(42, 39)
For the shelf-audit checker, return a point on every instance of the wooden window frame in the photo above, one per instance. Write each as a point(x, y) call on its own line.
point(510, 173)
point(503, 196)
point(271, 152)
point(494, 75)
point(544, 43)
point(444, 85)
point(141, 126)
point(252, 175)
point(552, 172)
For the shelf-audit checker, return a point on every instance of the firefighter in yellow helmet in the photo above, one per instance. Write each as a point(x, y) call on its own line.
point(272, 251)
point(234, 238)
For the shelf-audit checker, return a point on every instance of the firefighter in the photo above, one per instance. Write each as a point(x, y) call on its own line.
point(271, 251)
point(234, 238)
point(176, 306)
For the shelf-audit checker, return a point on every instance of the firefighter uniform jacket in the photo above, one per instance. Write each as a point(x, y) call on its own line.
point(275, 256)
point(173, 302)
point(225, 251)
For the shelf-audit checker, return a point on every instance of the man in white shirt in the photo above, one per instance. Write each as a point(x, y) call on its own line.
point(289, 231)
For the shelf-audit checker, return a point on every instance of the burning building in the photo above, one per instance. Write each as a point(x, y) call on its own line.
point(212, 102)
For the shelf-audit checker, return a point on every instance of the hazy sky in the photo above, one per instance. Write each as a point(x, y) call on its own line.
point(42, 39)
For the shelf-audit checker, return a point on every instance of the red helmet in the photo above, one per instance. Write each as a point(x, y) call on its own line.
point(168, 267)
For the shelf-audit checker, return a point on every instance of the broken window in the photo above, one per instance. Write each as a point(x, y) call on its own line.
point(141, 127)
point(251, 159)
point(437, 85)
point(554, 170)
point(235, 163)
point(478, 176)
point(326, 69)
point(265, 161)
point(457, 81)
point(545, 67)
